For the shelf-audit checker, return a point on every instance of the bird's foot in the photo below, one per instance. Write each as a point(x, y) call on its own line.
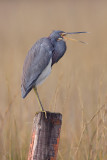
point(43, 112)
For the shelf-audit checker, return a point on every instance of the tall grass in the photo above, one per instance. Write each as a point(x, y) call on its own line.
point(77, 86)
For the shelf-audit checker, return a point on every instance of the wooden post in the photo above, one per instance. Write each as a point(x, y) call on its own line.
point(45, 136)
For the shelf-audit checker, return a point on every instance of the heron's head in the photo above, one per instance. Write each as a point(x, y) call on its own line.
point(61, 35)
point(57, 35)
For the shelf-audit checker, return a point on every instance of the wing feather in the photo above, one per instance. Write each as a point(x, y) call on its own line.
point(36, 61)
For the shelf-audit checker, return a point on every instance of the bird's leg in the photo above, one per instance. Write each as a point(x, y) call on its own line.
point(38, 98)
point(39, 101)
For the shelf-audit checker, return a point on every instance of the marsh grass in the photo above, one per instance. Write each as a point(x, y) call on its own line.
point(77, 86)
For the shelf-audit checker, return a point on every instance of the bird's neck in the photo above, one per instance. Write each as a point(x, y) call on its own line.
point(53, 40)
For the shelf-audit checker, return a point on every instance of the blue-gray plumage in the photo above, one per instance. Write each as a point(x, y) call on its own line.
point(36, 61)
point(43, 54)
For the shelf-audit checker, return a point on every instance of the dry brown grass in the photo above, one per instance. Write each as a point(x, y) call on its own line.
point(77, 86)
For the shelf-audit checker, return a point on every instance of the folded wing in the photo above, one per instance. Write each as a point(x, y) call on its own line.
point(36, 61)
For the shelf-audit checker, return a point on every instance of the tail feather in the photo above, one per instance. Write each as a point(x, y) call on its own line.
point(24, 92)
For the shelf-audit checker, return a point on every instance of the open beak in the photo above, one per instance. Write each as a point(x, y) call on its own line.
point(67, 38)
point(65, 33)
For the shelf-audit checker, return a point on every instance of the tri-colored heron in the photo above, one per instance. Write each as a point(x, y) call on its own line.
point(40, 59)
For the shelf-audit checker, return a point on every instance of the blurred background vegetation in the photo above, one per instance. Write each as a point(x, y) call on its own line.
point(77, 86)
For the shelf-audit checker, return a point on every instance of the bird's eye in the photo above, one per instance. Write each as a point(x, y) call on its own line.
point(63, 34)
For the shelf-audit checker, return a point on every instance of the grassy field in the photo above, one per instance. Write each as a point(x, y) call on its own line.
point(77, 86)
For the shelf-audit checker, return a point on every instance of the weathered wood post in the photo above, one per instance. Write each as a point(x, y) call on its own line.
point(45, 136)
